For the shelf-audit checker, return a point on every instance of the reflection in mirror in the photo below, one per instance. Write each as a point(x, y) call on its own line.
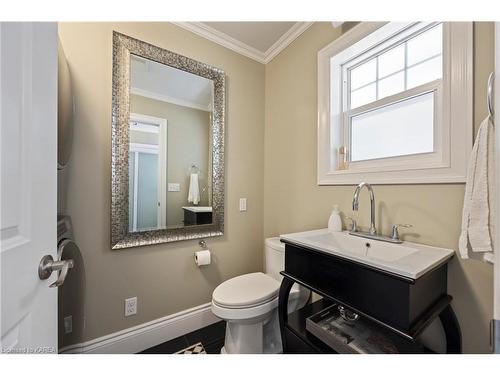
point(170, 147)
point(167, 164)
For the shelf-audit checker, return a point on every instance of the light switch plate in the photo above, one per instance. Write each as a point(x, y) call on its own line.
point(243, 204)
point(131, 306)
point(174, 186)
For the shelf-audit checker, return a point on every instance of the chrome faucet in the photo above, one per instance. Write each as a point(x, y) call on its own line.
point(355, 204)
point(372, 233)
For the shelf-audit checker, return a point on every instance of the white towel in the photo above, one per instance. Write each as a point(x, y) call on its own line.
point(194, 189)
point(478, 220)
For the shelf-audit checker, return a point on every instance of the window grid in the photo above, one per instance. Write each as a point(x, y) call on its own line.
point(405, 69)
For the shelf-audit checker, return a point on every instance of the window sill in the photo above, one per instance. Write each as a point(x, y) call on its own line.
point(419, 176)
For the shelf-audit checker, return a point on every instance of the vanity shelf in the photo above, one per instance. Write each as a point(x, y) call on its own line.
point(298, 339)
point(401, 305)
point(301, 341)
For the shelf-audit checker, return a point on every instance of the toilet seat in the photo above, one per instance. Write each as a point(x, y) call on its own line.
point(241, 314)
point(248, 296)
point(244, 297)
point(246, 291)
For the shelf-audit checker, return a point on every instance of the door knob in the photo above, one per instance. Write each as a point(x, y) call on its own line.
point(48, 265)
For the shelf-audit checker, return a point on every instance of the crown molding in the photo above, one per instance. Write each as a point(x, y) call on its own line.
point(337, 24)
point(222, 39)
point(244, 49)
point(286, 39)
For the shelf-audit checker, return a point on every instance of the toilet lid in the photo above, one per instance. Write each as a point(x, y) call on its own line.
point(246, 290)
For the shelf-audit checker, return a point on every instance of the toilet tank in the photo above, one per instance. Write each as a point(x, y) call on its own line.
point(274, 257)
point(274, 263)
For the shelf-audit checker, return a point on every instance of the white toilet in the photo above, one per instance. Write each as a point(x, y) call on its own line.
point(248, 303)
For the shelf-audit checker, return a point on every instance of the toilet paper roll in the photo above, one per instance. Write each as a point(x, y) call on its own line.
point(202, 257)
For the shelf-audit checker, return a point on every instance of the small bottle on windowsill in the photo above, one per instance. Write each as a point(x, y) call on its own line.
point(342, 158)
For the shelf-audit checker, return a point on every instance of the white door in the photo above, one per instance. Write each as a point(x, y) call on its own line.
point(28, 113)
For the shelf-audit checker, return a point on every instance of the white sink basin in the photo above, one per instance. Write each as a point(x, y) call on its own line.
point(198, 208)
point(406, 259)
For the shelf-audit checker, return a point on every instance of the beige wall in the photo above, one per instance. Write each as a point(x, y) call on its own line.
point(294, 202)
point(163, 277)
point(285, 184)
point(187, 143)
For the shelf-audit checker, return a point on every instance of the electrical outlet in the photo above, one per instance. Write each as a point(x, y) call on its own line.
point(68, 324)
point(131, 306)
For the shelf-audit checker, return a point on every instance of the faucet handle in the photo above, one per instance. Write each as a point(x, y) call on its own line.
point(354, 225)
point(395, 232)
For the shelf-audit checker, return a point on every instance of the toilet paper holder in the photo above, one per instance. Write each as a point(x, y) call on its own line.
point(203, 256)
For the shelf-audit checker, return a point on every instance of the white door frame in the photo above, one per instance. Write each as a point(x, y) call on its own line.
point(161, 124)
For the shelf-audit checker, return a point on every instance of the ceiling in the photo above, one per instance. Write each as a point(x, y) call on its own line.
point(162, 82)
point(261, 41)
point(259, 35)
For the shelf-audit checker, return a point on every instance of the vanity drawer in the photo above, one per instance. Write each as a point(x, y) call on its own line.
point(394, 300)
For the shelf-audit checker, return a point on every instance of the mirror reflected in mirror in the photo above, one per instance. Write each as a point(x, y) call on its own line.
point(170, 147)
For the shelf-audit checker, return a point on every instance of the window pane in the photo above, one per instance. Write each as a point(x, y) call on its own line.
point(391, 61)
point(425, 45)
point(403, 128)
point(391, 85)
point(425, 72)
point(364, 74)
point(364, 95)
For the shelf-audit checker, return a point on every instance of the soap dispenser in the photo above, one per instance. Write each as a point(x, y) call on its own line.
point(335, 222)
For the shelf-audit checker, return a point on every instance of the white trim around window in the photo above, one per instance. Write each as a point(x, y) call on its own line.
point(454, 118)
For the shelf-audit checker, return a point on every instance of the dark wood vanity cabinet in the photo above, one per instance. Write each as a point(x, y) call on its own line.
point(402, 305)
point(197, 218)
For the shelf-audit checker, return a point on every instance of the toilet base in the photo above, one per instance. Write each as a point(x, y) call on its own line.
point(254, 336)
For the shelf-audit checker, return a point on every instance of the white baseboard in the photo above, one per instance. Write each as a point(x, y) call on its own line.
point(146, 335)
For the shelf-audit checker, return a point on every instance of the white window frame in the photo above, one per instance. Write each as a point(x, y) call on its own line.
point(453, 122)
point(151, 124)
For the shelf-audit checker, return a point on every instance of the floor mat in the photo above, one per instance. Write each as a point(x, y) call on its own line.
point(193, 349)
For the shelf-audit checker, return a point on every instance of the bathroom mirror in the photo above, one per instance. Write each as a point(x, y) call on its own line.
point(167, 146)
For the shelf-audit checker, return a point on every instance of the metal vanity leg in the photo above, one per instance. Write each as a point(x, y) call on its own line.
point(451, 330)
point(286, 286)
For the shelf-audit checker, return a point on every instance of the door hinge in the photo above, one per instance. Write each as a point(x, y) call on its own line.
point(495, 336)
